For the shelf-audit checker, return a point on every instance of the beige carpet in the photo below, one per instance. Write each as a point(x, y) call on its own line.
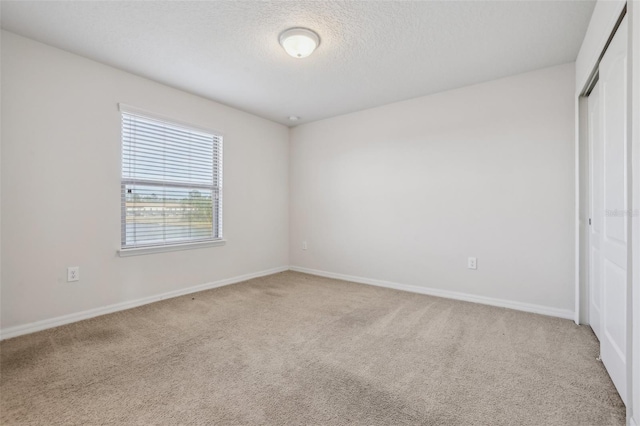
point(297, 349)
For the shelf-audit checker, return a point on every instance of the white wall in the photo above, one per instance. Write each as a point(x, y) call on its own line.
point(406, 192)
point(61, 187)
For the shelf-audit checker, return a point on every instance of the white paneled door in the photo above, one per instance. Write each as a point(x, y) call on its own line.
point(609, 209)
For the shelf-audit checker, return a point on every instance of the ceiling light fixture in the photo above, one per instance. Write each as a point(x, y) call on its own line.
point(294, 118)
point(299, 42)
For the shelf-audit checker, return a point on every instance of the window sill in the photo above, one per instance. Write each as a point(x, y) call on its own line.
point(173, 247)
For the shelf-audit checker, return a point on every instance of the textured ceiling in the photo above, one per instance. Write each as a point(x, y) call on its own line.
point(371, 53)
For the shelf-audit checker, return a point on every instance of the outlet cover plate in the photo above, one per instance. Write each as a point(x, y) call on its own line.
point(73, 273)
point(472, 263)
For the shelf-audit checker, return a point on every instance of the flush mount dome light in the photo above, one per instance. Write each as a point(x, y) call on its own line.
point(299, 42)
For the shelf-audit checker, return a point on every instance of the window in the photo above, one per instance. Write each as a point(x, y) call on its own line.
point(171, 184)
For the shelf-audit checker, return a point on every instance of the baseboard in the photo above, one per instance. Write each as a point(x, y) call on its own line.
point(519, 306)
point(20, 330)
point(91, 313)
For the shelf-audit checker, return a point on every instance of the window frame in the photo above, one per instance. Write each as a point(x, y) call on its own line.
point(217, 214)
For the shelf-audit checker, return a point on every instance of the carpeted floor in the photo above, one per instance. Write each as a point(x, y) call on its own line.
point(297, 349)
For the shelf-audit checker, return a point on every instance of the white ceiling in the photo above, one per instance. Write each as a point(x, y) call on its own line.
point(371, 53)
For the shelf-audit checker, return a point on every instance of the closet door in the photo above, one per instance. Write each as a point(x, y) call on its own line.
point(614, 208)
point(596, 203)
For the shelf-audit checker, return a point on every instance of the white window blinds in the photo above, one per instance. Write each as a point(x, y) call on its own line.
point(171, 183)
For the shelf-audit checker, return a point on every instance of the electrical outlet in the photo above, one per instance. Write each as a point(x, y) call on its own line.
point(304, 245)
point(73, 273)
point(472, 263)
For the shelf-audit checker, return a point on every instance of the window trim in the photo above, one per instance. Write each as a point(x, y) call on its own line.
point(181, 245)
point(135, 251)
